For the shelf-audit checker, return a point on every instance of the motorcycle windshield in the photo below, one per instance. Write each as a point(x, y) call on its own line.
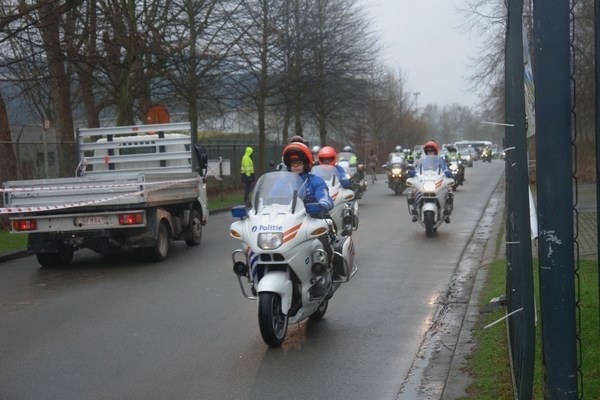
point(429, 163)
point(329, 173)
point(279, 187)
point(397, 160)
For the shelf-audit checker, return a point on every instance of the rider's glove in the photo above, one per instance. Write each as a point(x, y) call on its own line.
point(448, 173)
point(411, 172)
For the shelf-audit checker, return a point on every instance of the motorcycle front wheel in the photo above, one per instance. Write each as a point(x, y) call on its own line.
point(320, 313)
point(271, 320)
point(429, 223)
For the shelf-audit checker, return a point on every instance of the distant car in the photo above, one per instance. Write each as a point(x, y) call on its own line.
point(467, 154)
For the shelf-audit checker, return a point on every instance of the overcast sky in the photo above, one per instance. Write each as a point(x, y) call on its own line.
point(421, 37)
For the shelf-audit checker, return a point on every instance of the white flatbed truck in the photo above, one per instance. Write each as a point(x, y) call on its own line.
point(138, 187)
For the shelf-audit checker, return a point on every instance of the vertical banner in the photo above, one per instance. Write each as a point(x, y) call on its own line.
point(529, 88)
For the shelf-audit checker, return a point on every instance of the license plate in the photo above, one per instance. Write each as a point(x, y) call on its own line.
point(91, 221)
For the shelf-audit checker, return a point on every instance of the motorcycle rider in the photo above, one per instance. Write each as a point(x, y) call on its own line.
point(429, 148)
point(410, 158)
point(487, 152)
point(298, 159)
point(453, 155)
point(328, 156)
point(353, 159)
point(315, 153)
point(293, 139)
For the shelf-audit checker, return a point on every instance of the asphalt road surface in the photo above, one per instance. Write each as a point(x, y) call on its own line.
point(112, 327)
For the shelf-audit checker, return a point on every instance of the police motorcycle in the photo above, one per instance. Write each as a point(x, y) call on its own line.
point(355, 172)
point(431, 201)
point(397, 172)
point(458, 172)
point(486, 155)
point(345, 209)
point(283, 261)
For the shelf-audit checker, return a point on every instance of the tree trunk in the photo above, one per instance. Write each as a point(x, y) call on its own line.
point(60, 88)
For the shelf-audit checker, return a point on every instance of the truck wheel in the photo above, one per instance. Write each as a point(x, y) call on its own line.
point(48, 259)
point(64, 256)
point(196, 230)
point(159, 251)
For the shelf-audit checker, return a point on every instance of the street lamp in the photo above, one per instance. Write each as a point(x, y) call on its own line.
point(416, 94)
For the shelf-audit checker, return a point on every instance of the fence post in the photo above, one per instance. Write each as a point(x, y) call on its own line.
point(519, 269)
point(552, 75)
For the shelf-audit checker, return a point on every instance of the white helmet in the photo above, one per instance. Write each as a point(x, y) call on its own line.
point(315, 150)
point(398, 149)
point(347, 149)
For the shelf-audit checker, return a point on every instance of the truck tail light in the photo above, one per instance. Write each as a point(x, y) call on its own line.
point(24, 225)
point(130, 219)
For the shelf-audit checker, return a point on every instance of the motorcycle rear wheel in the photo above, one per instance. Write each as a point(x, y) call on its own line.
point(271, 320)
point(429, 223)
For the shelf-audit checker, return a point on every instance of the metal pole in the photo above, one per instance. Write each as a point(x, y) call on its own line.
point(555, 197)
point(45, 150)
point(519, 290)
point(597, 103)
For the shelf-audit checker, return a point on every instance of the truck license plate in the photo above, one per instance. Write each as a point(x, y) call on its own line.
point(91, 221)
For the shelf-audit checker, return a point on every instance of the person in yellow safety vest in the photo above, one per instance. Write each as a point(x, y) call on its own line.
point(353, 159)
point(247, 172)
point(452, 154)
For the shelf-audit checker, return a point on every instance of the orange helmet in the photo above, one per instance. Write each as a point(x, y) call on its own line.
point(297, 151)
point(431, 145)
point(328, 152)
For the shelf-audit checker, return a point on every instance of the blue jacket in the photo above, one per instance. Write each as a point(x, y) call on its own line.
point(437, 160)
point(345, 182)
point(317, 191)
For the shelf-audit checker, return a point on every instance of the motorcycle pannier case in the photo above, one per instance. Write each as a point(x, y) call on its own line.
point(345, 247)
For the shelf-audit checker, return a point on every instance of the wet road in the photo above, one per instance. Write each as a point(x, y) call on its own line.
point(113, 327)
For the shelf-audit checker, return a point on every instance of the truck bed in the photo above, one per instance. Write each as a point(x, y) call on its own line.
point(109, 191)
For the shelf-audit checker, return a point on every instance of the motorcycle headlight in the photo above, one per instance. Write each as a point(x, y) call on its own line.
point(396, 171)
point(453, 167)
point(270, 240)
point(429, 186)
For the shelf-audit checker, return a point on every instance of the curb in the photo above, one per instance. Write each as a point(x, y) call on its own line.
point(13, 255)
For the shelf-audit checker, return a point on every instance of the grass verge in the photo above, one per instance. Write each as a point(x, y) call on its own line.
point(10, 242)
point(489, 364)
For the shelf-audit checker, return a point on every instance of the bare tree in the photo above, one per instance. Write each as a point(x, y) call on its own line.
point(198, 52)
point(341, 49)
point(259, 60)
